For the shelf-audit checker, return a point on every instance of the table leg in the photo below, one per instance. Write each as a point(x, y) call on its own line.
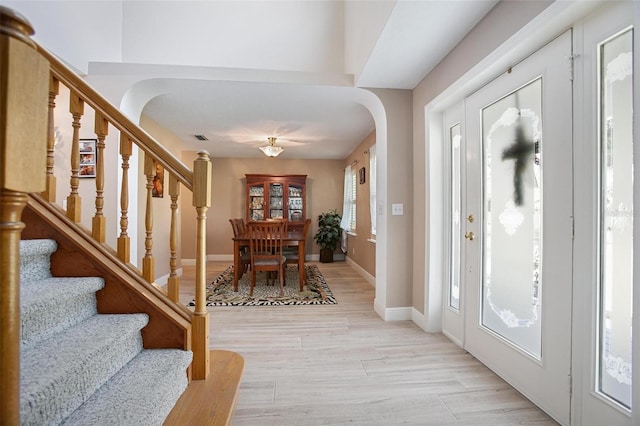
point(301, 270)
point(236, 264)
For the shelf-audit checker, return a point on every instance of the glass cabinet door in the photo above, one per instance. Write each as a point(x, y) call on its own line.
point(295, 203)
point(256, 202)
point(276, 201)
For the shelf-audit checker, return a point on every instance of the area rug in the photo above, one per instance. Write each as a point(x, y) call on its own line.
point(315, 292)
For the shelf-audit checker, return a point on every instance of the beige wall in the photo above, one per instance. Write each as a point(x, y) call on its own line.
point(394, 253)
point(324, 192)
point(359, 249)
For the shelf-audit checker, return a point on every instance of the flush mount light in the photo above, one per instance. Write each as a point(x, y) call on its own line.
point(271, 150)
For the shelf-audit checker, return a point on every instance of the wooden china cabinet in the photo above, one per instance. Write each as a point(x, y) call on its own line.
point(277, 197)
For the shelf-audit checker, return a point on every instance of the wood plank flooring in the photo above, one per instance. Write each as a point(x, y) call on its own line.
point(341, 364)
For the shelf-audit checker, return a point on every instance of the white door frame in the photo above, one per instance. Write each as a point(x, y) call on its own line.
point(587, 405)
point(556, 18)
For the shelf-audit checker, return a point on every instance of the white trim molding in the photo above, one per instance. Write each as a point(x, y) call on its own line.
point(360, 270)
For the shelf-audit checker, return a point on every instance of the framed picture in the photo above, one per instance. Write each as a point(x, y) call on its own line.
point(88, 158)
point(362, 174)
point(158, 181)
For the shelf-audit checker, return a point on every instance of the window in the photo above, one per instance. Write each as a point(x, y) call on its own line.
point(348, 222)
point(372, 187)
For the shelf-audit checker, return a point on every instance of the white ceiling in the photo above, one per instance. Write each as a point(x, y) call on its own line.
point(311, 121)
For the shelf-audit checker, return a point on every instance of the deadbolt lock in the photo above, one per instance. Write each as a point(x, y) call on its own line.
point(470, 218)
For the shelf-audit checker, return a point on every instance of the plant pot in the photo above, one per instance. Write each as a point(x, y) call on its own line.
point(326, 255)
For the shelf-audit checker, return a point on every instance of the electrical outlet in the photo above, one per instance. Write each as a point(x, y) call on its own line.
point(397, 209)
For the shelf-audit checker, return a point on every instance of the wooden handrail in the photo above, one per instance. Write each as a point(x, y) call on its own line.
point(115, 117)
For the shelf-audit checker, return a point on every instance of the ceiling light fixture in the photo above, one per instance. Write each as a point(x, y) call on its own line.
point(271, 150)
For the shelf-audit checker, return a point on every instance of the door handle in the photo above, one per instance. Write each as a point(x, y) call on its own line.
point(469, 236)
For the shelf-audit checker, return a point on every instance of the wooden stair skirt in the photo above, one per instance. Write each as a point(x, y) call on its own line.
point(212, 401)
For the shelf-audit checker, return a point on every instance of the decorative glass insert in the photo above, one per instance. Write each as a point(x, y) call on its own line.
point(616, 218)
point(276, 200)
point(512, 217)
point(256, 202)
point(456, 197)
point(295, 203)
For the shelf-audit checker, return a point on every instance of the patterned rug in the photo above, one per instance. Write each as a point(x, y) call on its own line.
point(316, 291)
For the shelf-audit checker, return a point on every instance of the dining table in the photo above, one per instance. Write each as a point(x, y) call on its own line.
point(292, 239)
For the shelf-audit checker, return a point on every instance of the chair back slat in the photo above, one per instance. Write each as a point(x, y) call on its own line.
point(265, 239)
point(265, 246)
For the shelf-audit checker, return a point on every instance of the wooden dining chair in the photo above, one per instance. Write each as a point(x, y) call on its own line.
point(265, 248)
point(285, 222)
point(245, 258)
point(291, 253)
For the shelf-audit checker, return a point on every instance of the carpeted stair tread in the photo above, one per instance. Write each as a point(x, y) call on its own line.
point(51, 305)
point(58, 374)
point(142, 393)
point(35, 259)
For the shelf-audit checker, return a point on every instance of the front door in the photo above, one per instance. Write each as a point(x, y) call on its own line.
point(517, 274)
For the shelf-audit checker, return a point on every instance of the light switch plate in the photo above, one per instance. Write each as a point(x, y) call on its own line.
point(397, 209)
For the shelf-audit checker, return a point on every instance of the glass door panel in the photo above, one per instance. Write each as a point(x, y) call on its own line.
point(616, 219)
point(511, 303)
point(453, 195)
point(455, 222)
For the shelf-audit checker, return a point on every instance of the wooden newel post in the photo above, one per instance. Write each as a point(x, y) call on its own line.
point(202, 202)
point(24, 93)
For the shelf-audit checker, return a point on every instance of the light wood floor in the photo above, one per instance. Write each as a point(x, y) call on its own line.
point(341, 364)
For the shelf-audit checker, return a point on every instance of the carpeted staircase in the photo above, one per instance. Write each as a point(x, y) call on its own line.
point(79, 367)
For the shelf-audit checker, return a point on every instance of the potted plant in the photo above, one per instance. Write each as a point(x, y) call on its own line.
point(328, 235)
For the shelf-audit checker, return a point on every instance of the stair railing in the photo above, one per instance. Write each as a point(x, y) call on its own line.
point(197, 181)
point(28, 148)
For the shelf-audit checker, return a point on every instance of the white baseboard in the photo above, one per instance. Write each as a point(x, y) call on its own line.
point(359, 269)
point(163, 280)
point(419, 319)
point(392, 314)
point(379, 309)
point(398, 314)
